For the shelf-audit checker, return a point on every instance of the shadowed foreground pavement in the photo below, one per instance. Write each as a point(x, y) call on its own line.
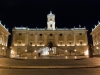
point(85, 71)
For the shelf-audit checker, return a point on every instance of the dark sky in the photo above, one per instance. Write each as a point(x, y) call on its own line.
point(33, 13)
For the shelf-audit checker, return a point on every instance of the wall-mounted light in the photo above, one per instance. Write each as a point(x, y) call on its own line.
point(3, 48)
point(86, 52)
point(75, 50)
point(97, 47)
point(65, 50)
point(25, 50)
point(35, 51)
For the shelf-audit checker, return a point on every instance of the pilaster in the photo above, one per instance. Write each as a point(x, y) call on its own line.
point(36, 39)
point(26, 38)
point(45, 39)
point(65, 39)
point(56, 39)
point(74, 39)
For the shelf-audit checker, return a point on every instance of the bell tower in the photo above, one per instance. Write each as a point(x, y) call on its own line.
point(50, 21)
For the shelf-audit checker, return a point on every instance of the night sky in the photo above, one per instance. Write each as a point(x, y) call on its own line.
point(33, 13)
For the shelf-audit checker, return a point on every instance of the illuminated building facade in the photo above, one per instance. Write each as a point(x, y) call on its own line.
point(96, 39)
point(4, 34)
point(34, 41)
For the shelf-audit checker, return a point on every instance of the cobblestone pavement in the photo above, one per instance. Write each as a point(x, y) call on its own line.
point(80, 61)
point(85, 71)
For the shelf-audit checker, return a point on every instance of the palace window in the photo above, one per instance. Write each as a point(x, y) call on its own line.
point(40, 43)
point(60, 34)
point(31, 43)
point(60, 43)
point(20, 33)
point(70, 43)
point(19, 42)
point(31, 34)
point(80, 33)
point(81, 43)
point(69, 34)
point(40, 34)
point(50, 34)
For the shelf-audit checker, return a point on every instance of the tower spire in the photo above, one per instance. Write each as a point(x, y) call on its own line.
point(51, 21)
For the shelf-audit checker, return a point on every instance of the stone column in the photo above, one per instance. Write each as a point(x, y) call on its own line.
point(6, 40)
point(45, 39)
point(86, 38)
point(36, 39)
point(26, 38)
point(74, 39)
point(3, 39)
point(94, 40)
point(65, 39)
point(56, 39)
